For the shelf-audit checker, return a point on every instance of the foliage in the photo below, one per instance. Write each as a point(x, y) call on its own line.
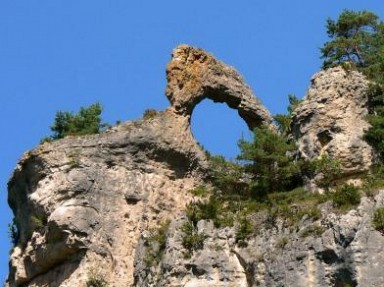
point(46, 140)
point(292, 206)
point(96, 279)
point(157, 242)
point(312, 230)
point(200, 210)
point(375, 134)
point(282, 242)
point(244, 229)
point(38, 222)
point(284, 121)
point(378, 219)
point(374, 180)
point(357, 42)
point(87, 121)
point(96, 282)
point(346, 197)
point(192, 238)
point(200, 191)
point(353, 39)
point(13, 231)
point(329, 169)
point(267, 159)
point(150, 114)
point(228, 176)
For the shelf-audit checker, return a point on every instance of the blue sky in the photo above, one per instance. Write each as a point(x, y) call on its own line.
point(60, 55)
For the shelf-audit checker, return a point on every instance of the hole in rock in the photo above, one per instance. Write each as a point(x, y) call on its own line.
point(218, 128)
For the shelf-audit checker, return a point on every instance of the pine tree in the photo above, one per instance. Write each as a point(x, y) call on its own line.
point(357, 42)
point(267, 158)
point(87, 121)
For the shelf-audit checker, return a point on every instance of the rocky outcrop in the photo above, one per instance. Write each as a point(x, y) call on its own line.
point(194, 75)
point(81, 203)
point(86, 207)
point(338, 250)
point(332, 119)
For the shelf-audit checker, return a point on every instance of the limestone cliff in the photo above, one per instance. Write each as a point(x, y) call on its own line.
point(331, 120)
point(336, 250)
point(82, 202)
point(86, 206)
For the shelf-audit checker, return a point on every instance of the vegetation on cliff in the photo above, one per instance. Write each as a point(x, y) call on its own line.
point(357, 42)
point(270, 176)
point(86, 121)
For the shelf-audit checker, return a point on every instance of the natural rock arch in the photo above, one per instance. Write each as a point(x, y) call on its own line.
point(194, 75)
point(223, 128)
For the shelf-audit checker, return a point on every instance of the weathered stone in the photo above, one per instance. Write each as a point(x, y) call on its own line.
point(348, 252)
point(331, 120)
point(86, 205)
point(194, 75)
point(74, 207)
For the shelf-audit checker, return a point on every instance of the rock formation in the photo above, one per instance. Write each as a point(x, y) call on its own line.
point(85, 206)
point(331, 120)
point(81, 203)
point(194, 75)
point(83, 200)
point(346, 252)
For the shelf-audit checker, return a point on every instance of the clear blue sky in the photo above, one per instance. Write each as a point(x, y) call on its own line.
point(60, 55)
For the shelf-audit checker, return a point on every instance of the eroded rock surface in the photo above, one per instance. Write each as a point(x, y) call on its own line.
point(81, 203)
point(337, 250)
point(83, 200)
point(85, 205)
point(331, 120)
point(194, 75)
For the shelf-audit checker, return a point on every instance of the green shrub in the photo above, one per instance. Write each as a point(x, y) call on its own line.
point(87, 121)
point(199, 210)
point(329, 168)
point(96, 279)
point(13, 231)
point(374, 180)
point(156, 244)
point(378, 219)
point(228, 176)
point(96, 282)
point(292, 206)
point(283, 121)
point(244, 229)
point(150, 114)
point(38, 222)
point(267, 158)
point(282, 242)
point(215, 209)
point(46, 140)
point(192, 239)
point(346, 197)
point(312, 230)
point(201, 191)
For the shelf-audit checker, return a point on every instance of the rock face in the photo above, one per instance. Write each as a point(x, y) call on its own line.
point(194, 75)
point(86, 207)
point(331, 120)
point(82, 203)
point(338, 250)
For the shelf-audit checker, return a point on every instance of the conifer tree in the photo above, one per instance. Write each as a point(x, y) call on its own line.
point(357, 42)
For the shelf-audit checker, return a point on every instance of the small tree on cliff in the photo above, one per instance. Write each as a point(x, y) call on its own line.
point(284, 121)
point(267, 158)
point(353, 39)
point(86, 121)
